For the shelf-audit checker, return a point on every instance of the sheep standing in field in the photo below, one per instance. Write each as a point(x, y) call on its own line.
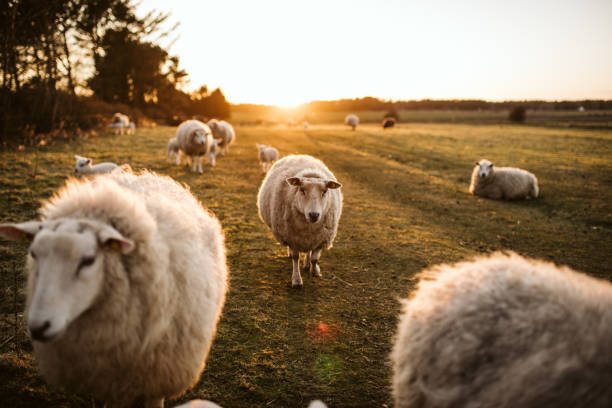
point(127, 277)
point(351, 120)
point(173, 151)
point(267, 156)
point(122, 122)
point(84, 166)
point(505, 331)
point(195, 140)
point(224, 131)
point(506, 183)
point(299, 199)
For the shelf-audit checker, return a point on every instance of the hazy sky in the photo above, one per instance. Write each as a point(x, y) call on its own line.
point(287, 52)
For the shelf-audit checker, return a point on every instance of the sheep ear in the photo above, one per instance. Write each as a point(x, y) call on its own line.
point(113, 239)
point(20, 232)
point(88, 161)
point(294, 181)
point(491, 165)
point(332, 184)
point(478, 164)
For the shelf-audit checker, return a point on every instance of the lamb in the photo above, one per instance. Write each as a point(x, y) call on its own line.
point(84, 166)
point(506, 183)
point(173, 150)
point(121, 122)
point(224, 131)
point(195, 140)
point(267, 156)
point(352, 120)
point(505, 331)
point(300, 201)
point(127, 277)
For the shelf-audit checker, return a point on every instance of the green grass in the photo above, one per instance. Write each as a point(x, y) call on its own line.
point(406, 207)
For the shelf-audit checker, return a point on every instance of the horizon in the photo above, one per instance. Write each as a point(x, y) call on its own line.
point(286, 54)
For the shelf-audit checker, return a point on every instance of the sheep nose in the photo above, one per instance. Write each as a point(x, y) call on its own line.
point(38, 333)
point(314, 216)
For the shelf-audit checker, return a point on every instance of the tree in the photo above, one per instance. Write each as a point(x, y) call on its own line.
point(517, 114)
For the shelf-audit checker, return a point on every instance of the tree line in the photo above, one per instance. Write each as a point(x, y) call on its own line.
point(67, 64)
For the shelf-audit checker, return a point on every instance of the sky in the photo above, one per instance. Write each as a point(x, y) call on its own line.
point(286, 52)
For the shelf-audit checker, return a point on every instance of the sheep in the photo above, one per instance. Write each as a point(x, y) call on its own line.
point(352, 120)
point(300, 201)
point(388, 122)
point(84, 166)
point(198, 403)
point(267, 156)
point(214, 151)
point(121, 122)
point(127, 278)
point(195, 140)
point(224, 131)
point(173, 150)
point(504, 331)
point(507, 183)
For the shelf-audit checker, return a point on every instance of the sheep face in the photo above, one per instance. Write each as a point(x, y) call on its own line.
point(311, 198)
point(485, 168)
point(261, 149)
point(81, 163)
point(67, 259)
point(198, 137)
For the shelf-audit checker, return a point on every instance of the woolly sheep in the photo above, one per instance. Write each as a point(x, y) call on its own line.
point(173, 151)
point(352, 120)
point(505, 331)
point(121, 122)
point(299, 199)
point(127, 277)
point(195, 140)
point(506, 183)
point(84, 166)
point(267, 155)
point(224, 131)
point(208, 404)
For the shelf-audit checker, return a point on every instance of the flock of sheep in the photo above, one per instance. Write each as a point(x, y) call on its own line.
point(125, 291)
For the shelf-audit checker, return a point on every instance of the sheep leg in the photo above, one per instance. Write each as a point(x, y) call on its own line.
point(154, 403)
point(193, 164)
point(211, 158)
point(263, 167)
point(200, 165)
point(315, 270)
point(307, 260)
point(296, 278)
point(177, 158)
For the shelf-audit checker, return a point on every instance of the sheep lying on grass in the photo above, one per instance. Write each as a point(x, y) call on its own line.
point(223, 131)
point(84, 166)
point(505, 331)
point(300, 201)
point(195, 139)
point(267, 155)
point(352, 120)
point(506, 183)
point(126, 281)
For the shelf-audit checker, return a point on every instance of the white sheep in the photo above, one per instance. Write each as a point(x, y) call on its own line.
point(127, 277)
point(506, 183)
point(504, 331)
point(224, 131)
point(195, 140)
point(267, 155)
point(84, 166)
point(351, 120)
point(173, 151)
point(122, 122)
point(299, 199)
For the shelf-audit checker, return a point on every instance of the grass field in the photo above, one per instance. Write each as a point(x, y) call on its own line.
point(406, 207)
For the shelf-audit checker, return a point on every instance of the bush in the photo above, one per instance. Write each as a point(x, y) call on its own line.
point(517, 114)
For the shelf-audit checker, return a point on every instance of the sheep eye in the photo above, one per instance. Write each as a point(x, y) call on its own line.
point(32, 254)
point(323, 193)
point(86, 261)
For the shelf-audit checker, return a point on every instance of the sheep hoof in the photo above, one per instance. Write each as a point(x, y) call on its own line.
point(315, 271)
point(298, 285)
